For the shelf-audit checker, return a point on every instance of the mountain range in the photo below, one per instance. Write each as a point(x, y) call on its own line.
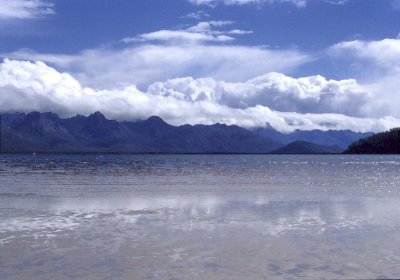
point(47, 132)
point(340, 139)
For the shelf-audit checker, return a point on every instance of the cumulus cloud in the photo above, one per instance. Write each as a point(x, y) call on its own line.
point(277, 91)
point(27, 86)
point(379, 61)
point(25, 9)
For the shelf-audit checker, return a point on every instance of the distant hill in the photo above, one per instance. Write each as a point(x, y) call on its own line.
point(340, 138)
point(380, 143)
point(303, 147)
point(46, 132)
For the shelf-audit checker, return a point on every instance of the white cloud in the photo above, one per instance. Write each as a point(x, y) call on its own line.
point(25, 9)
point(379, 61)
point(240, 32)
point(384, 53)
point(337, 2)
point(207, 26)
point(201, 32)
point(198, 51)
point(279, 92)
point(197, 15)
point(298, 3)
point(27, 86)
point(178, 35)
point(147, 63)
point(231, 94)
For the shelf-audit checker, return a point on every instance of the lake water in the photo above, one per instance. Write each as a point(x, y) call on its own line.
point(199, 217)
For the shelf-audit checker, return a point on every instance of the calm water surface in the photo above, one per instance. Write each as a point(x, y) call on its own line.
point(199, 217)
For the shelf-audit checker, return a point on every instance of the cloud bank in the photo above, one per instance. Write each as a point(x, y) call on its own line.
point(146, 63)
point(27, 86)
point(277, 91)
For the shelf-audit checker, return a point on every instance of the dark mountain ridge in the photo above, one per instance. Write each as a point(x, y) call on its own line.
point(381, 143)
point(47, 132)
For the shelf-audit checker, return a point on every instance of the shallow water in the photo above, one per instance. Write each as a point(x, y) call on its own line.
point(199, 217)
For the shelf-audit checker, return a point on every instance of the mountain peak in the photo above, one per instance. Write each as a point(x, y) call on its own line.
point(156, 120)
point(98, 116)
point(33, 116)
point(304, 147)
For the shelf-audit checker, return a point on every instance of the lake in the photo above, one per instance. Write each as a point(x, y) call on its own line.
point(199, 216)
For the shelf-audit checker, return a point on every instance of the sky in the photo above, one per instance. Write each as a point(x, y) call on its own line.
point(289, 64)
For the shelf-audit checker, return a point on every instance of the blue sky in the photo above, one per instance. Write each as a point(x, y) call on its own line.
point(77, 24)
point(293, 63)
